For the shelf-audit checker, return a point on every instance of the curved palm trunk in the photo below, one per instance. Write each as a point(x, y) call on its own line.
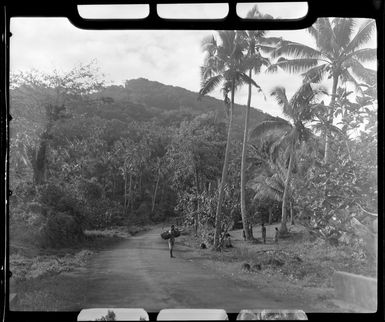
point(330, 119)
point(197, 191)
point(245, 221)
point(125, 193)
point(283, 228)
point(155, 191)
point(219, 215)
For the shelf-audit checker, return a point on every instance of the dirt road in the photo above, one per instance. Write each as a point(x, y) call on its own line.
point(139, 273)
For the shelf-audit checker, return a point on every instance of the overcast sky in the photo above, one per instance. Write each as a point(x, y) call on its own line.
point(170, 57)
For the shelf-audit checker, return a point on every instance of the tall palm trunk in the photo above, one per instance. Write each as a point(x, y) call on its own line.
point(330, 119)
point(155, 191)
point(245, 221)
point(197, 199)
point(130, 200)
point(219, 215)
point(125, 193)
point(283, 228)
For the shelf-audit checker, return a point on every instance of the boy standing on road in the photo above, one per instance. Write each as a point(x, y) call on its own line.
point(171, 240)
point(263, 233)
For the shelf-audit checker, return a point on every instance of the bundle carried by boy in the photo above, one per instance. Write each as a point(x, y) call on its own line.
point(167, 234)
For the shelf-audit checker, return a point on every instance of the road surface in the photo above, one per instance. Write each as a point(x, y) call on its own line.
point(139, 273)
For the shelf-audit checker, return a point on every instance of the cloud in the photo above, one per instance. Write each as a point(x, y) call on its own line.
point(172, 57)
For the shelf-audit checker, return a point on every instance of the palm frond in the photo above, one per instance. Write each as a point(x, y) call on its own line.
point(265, 48)
point(325, 35)
point(269, 126)
point(315, 74)
point(258, 62)
point(364, 55)
point(209, 85)
point(209, 43)
point(297, 50)
point(270, 40)
point(265, 192)
point(228, 39)
point(272, 68)
point(280, 170)
point(267, 189)
point(293, 65)
point(363, 35)
point(346, 77)
point(301, 101)
point(313, 32)
point(284, 141)
point(247, 80)
point(343, 28)
point(279, 94)
point(206, 72)
point(318, 127)
point(275, 183)
point(365, 74)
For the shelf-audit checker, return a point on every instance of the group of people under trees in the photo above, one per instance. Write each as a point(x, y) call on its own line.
point(173, 233)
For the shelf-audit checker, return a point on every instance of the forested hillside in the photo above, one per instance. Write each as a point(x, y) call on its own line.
point(87, 155)
point(145, 100)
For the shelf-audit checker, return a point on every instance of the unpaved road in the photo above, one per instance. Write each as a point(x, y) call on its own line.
point(140, 273)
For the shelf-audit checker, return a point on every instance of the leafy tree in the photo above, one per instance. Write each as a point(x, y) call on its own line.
point(45, 99)
point(194, 154)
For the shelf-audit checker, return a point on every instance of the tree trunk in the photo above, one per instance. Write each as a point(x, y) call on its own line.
point(330, 119)
point(113, 187)
point(219, 215)
point(291, 213)
point(197, 199)
point(245, 220)
point(155, 191)
point(283, 228)
point(39, 162)
point(270, 215)
point(125, 193)
point(130, 195)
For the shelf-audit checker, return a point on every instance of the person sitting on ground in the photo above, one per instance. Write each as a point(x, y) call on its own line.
point(171, 240)
point(276, 235)
point(263, 233)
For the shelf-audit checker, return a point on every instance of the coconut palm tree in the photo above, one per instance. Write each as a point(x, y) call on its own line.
point(290, 133)
point(254, 42)
point(224, 64)
point(268, 174)
point(338, 54)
